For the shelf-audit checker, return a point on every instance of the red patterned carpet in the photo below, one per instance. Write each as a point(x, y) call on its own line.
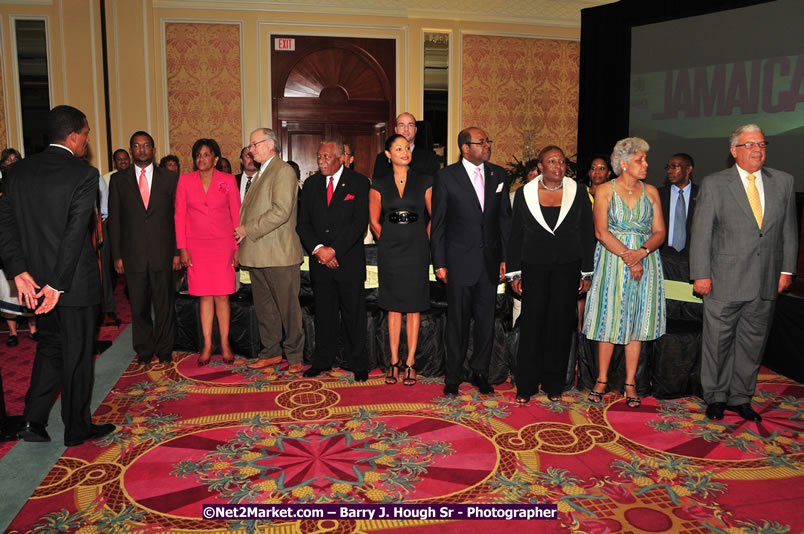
point(190, 435)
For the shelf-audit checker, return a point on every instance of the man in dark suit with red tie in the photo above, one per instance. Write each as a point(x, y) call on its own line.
point(141, 204)
point(46, 220)
point(333, 217)
point(470, 226)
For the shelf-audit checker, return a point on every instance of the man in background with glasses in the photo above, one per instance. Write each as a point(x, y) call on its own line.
point(271, 250)
point(742, 255)
point(470, 226)
point(678, 205)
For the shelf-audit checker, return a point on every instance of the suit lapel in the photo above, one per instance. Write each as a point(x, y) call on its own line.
point(740, 197)
point(340, 191)
point(771, 193)
point(467, 188)
point(489, 186)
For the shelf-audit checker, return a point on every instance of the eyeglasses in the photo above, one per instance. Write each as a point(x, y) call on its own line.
point(749, 146)
point(598, 168)
point(675, 166)
point(143, 145)
point(481, 142)
point(255, 143)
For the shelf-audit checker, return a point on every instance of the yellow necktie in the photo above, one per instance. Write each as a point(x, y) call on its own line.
point(753, 199)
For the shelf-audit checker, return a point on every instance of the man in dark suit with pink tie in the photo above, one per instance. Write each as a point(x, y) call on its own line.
point(333, 216)
point(142, 200)
point(470, 226)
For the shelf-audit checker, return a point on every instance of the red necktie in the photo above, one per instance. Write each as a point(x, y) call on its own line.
point(330, 189)
point(144, 193)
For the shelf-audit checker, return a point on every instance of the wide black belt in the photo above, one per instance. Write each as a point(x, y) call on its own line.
point(403, 217)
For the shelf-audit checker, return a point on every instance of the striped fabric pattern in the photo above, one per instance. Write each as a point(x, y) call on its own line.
point(619, 309)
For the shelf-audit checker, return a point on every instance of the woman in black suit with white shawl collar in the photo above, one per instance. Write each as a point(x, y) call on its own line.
point(551, 248)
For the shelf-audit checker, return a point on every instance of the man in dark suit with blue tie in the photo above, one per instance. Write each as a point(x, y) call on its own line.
point(678, 206)
point(46, 217)
point(742, 255)
point(333, 217)
point(470, 226)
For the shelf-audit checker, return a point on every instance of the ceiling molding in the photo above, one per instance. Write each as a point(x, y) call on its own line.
point(558, 13)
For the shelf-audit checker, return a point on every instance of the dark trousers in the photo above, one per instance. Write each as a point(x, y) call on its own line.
point(549, 318)
point(733, 341)
point(344, 300)
point(476, 302)
point(149, 337)
point(64, 360)
point(275, 291)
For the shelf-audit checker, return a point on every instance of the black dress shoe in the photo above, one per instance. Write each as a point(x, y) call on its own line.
point(166, 360)
point(96, 432)
point(746, 412)
point(33, 432)
point(715, 411)
point(144, 360)
point(482, 383)
point(451, 390)
point(12, 341)
point(315, 371)
point(361, 376)
point(34, 336)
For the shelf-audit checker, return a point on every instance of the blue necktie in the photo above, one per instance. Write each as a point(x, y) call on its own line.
point(680, 223)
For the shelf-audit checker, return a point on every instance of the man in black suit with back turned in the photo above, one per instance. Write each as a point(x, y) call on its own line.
point(141, 203)
point(470, 226)
point(333, 216)
point(422, 160)
point(46, 218)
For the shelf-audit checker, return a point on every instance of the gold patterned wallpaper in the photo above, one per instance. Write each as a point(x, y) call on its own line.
point(203, 89)
point(523, 92)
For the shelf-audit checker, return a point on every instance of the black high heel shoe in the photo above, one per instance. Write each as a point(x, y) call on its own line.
point(409, 380)
point(631, 402)
point(595, 396)
point(393, 374)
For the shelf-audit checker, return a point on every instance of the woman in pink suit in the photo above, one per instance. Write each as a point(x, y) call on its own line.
point(207, 212)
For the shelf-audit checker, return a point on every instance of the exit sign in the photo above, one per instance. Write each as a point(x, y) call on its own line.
point(282, 43)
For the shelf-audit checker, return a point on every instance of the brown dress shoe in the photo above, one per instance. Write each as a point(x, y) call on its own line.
point(266, 362)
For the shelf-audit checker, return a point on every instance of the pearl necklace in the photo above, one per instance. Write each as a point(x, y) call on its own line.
point(556, 188)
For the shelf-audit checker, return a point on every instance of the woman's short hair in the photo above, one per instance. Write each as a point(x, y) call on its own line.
point(164, 161)
point(625, 149)
point(547, 149)
point(390, 141)
point(209, 143)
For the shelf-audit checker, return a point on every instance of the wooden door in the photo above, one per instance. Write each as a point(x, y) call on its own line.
point(333, 87)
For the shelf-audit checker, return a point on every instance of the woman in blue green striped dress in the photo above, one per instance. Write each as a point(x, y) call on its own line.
point(625, 305)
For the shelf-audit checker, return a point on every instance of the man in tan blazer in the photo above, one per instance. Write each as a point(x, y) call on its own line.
point(270, 249)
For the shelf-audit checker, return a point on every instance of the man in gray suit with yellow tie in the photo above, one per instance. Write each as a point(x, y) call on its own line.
point(270, 248)
point(742, 255)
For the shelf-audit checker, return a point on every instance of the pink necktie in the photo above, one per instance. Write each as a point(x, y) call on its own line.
point(144, 193)
point(330, 189)
point(478, 183)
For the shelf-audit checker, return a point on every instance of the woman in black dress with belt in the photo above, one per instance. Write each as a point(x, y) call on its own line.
point(399, 211)
point(552, 248)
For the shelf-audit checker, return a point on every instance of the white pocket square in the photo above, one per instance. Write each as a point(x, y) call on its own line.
point(499, 187)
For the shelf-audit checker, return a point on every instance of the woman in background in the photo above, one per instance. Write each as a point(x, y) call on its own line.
point(171, 163)
point(207, 212)
point(599, 173)
point(399, 216)
point(625, 305)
